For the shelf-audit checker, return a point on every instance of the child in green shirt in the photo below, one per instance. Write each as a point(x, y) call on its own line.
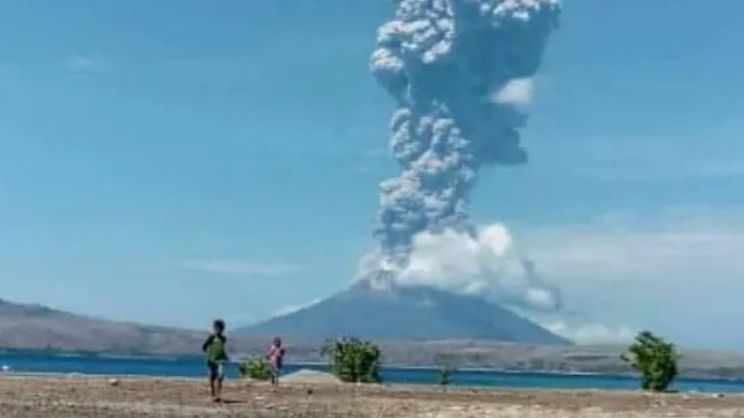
point(214, 349)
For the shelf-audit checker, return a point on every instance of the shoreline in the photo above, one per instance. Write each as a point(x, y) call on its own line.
point(472, 377)
point(474, 356)
point(419, 386)
point(485, 371)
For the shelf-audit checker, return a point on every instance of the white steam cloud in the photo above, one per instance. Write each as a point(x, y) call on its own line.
point(517, 92)
point(483, 262)
point(592, 333)
point(459, 71)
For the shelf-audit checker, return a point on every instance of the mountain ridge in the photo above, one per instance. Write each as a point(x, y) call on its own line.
point(34, 326)
point(405, 313)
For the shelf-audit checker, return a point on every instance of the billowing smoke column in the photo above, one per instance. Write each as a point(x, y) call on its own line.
point(458, 71)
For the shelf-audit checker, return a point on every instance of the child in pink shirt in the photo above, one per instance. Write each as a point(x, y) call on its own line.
point(275, 358)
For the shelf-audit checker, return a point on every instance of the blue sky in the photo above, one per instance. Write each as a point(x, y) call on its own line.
point(172, 161)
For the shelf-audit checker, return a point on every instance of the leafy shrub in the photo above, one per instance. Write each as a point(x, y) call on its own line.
point(444, 378)
point(446, 363)
point(655, 359)
point(257, 369)
point(354, 360)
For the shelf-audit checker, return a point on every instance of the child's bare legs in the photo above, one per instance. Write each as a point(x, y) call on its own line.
point(215, 381)
point(219, 387)
point(274, 375)
point(213, 387)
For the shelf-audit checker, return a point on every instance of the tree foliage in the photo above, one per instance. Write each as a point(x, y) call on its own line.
point(446, 368)
point(257, 369)
point(655, 359)
point(354, 360)
point(444, 377)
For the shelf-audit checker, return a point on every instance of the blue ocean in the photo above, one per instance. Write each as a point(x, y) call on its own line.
point(194, 367)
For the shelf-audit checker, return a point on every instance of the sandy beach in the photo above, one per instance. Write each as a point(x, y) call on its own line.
point(79, 396)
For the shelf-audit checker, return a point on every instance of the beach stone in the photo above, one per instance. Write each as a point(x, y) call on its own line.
point(113, 382)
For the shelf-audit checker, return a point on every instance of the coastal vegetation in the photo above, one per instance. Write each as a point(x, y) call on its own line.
point(655, 359)
point(254, 368)
point(354, 360)
point(444, 377)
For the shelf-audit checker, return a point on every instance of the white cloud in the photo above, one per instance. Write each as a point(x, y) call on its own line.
point(543, 299)
point(515, 92)
point(670, 272)
point(482, 262)
point(591, 333)
point(242, 267)
point(618, 253)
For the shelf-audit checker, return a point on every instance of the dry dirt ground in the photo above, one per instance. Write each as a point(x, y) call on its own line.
point(63, 397)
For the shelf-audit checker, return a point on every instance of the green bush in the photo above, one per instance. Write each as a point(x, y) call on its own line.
point(354, 360)
point(444, 378)
point(655, 359)
point(257, 369)
point(446, 363)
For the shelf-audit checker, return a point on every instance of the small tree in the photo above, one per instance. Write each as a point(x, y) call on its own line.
point(446, 368)
point(444, 378)
point(655, 359)
point(256, 369)
point(354, 360)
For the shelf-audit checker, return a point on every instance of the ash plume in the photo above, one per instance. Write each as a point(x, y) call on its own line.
point(459, 72)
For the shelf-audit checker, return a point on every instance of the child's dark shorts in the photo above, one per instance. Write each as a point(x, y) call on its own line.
point(216, 370)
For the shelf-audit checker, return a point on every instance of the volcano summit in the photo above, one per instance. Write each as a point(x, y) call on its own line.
point(405, 313)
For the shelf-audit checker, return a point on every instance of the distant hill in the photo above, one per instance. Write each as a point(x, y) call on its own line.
point(38, 327)
point(405, 314)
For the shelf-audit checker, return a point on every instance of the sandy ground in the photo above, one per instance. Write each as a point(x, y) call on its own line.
point(43, 397)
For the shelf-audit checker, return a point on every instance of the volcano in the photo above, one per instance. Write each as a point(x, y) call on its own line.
point(405, 313)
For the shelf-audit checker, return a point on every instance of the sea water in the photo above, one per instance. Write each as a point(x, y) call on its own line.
point(194, 367)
